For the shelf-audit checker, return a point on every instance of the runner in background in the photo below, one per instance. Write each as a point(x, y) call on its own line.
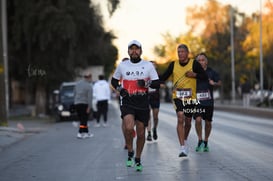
point(205, 107)
point(184, 73)
point(154, 101)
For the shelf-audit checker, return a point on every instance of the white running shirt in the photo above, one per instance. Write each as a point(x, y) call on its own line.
point(128, 73)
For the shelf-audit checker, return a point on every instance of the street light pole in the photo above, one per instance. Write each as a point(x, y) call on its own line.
point(261, 53)
point(3, 66)
point(232, 55)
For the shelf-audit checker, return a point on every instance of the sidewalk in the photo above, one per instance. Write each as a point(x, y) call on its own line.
point(238, 107)
point(18, 130)
point(8, 136)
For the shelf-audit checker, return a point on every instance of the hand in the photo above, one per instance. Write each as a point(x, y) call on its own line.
point(141, 83)
point(211, 82)
point(88, 109)
point(123, 92)
point(190, 74)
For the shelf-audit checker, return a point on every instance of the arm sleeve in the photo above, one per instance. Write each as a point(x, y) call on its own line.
point(114, 83)
point(200, 72)
point(216, 77)
point(155, 84)
point(163, 77)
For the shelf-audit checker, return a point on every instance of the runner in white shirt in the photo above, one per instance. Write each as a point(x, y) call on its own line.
point(136, 77)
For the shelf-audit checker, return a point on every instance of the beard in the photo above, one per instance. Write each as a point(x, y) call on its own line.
point(135, 58)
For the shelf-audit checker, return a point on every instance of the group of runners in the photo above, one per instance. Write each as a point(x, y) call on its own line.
point(138, 83)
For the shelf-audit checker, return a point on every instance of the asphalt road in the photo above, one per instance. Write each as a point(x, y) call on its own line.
point(241, 149)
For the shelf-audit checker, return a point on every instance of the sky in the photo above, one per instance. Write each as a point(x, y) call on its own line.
point(147, 20)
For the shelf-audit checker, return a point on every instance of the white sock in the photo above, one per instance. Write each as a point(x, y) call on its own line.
point(182, 147)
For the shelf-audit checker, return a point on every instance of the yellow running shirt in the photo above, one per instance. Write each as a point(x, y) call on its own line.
point(183, 87)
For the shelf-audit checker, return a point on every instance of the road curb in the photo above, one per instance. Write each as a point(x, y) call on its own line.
point(251, 111)
point(12, 135)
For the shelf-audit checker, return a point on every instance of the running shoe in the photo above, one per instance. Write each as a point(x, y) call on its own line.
point(129, 162)
point(97, 125)
point(206, 149)
point(149, 137)
point(138, 167)
point(154, 134)
point(80, 135)
point(199, 146)
point(183, 152)
point(88, 135)
point(187, 148)
point(105, 125)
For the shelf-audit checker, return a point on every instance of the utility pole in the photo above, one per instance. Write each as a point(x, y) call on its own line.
point(3, 67)
point(232, 54)
point(261, 53)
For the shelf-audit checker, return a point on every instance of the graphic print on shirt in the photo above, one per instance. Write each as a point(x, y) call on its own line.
point(132, 87)
point(130, 73)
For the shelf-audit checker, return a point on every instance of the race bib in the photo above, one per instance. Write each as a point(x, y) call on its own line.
point(183, 93)
point(204, 95)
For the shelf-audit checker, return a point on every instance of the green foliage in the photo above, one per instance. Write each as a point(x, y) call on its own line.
point(210, 32)
point(56, 37)
point(49, 40)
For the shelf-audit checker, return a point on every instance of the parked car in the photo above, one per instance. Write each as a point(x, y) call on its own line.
point(259, 99)
point(64, 106)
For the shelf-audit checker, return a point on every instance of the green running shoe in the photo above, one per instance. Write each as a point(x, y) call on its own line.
point(138, 167)
point(198, 148)
point(206, 149)
point(129, 162)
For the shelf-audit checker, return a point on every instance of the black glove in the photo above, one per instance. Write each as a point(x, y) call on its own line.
point(141, 83)
point(123, 93)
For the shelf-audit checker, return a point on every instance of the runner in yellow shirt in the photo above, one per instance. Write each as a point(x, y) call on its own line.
point(184, 73)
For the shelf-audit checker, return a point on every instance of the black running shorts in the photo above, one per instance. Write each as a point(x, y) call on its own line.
point(206, 112)
point(141, 115)
point(187, 109)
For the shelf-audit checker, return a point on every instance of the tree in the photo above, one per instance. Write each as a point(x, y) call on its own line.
point(167, 51)
point(50, 39)
point(252, 42)
point(210, 32)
